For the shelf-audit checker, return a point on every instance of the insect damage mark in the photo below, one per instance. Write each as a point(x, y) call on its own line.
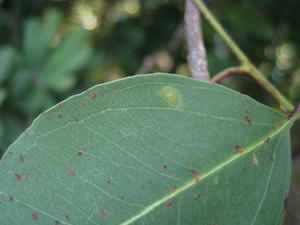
point(165, 167)
point(79, 154)
point(171, 95)
point(21, 158)
point(94, 96)
point(17, 177)
point(194, 172)
point(10, 198)
point(103, 213)
point(248, 120)
point(169, 203)
point(238, 149)
point(68, 217)
point(34, 216)
point(71, 172)
point(59, 116)
point(196, 196)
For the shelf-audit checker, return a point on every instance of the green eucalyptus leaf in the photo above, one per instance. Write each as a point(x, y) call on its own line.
point(37, 36)
point(150, 149)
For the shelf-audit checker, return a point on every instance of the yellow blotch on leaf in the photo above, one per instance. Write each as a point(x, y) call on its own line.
point(171, 95)
point(255, 160)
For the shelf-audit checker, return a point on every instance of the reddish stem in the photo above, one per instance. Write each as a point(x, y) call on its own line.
point(228, 72)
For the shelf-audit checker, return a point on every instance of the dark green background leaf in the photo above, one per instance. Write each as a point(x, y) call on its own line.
point(151, 149)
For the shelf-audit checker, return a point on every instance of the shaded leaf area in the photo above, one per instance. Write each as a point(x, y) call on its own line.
point(150, 149)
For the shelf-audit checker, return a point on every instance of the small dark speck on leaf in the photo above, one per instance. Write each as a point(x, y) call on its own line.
point(165, 167)
point(68, 217)
point(196, 196)
point(103, 213)
point(34, 216)
point(94, 96)
point(109, 182)
point(143, 187)
point(71, 172)
point(10, 198)
point(21, 157)
point(59, 105)
point(271, 158)
point(59, 116)
point(266, 139)
point(83, 103)
point(194, 172)
point(169, 204)
point(238, 149)
point(18, 177)
point(10, 153)
point(79, 154)
point(247, 120)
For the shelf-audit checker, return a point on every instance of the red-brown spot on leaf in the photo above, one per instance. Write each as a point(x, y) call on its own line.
point(34, 216)
point(247, 120)
point(79, 154)
point(71, 172)
point(143, 187)
point(68, 217)
point(10, 153)
point(59, 116)
point(21, 158)
point(103, 213)
point(10, 198)
point(194, 172)
point(17, 177)
point(165, 167)
point(266, 140)
point(169, 204)
point(59, 105)
point(238, 149)
point(94, 96)
point(196, 196)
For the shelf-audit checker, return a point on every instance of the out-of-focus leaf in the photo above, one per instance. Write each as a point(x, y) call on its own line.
point(20, 82)
point(13, 126)
point(7, 59)
point(38, 35)
point(31, 38)
point(2, 95)
point(37, 100)
point(152, 149)
point(70, 56)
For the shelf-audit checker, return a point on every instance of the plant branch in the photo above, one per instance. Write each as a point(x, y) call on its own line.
point(196, 51)
point(228, 72)
point(245, 62)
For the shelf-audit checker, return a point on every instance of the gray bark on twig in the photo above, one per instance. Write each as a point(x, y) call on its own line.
point(196, 51)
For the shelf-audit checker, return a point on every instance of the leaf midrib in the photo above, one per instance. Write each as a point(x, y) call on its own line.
point(201, 177)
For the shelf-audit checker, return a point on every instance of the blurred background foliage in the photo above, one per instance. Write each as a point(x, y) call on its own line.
point(51, 49)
